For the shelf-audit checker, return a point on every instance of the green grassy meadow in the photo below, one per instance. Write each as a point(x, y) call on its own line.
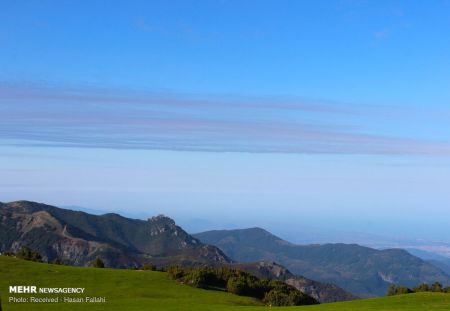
point(147, 290)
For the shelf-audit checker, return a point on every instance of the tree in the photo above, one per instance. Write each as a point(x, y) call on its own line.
point(201, 278)
point(398, 290)
point(436, 287)
point(57, 261)
point(176, 272)
point(285, 296)
point(241, 283)
point(149, 266)
point(403, 290)
point(277, 298)
point(237, 285)
point(29, 254)
point(392, 290)
point(424, 287)
point(98, 263)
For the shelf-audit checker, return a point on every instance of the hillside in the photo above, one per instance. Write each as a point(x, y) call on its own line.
point(124, 289)
point(444, 265)
point(146, 290)
point(360, 270)
point(322, 292)
point(77, 237)
point(442, 262)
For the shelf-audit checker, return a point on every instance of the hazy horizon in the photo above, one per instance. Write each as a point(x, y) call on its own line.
point(328, 115)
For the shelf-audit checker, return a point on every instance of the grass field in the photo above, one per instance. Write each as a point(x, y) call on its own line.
point(145, 290)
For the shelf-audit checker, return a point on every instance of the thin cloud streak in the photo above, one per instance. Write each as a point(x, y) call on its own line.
point(37, 115)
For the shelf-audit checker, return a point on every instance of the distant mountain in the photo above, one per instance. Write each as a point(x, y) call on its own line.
point(77, 237)
point(360, 270)
point(322, 292)
point(444, 265)
point(426, 255)
point(442, 262)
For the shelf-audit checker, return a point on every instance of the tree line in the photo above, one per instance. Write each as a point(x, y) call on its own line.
point(436, 287)
point(26, 253)
point(271, 292)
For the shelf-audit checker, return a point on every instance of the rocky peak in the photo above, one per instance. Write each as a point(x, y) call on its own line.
point(162, 224)
point(161, 219)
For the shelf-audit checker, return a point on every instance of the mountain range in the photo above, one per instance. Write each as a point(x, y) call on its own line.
point(77, 238)
point(363, 271)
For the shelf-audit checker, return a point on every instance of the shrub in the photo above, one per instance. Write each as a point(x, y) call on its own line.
point(298, 298)
point(201, 278)
point(398, 290)
point(391, 290)
point(98, 263)
point(277, 298)
point(175, 272)
point(149, 266)
point(287, 295)
point(237, 285)
point(403, 290)
point(422, 288)
point(436, 287)
point(57, 261)
point(28, 254)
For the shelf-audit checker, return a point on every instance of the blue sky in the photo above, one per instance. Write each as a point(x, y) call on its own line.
point(231, 113)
